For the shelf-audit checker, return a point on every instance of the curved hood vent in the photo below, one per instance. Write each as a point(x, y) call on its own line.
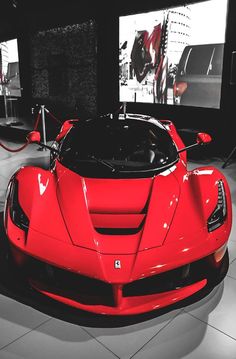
point(118, 223)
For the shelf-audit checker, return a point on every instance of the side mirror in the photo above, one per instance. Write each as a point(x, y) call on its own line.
point(65, 128)
point(33, 137)
point(203, 138)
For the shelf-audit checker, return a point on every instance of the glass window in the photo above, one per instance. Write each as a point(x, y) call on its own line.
point(199, 60)
point(117, 148)
point(217, 61)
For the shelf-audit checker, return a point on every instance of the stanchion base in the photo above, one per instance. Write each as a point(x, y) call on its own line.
point(42, 149)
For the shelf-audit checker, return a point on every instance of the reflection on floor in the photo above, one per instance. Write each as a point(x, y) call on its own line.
point(32, 327)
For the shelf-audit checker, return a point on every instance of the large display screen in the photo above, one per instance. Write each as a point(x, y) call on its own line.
point(9, 69)
point(173, 56)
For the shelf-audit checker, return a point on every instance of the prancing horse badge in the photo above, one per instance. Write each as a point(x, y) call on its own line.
point(117, 264)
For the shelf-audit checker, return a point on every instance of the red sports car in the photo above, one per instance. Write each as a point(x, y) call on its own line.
point(118, 225)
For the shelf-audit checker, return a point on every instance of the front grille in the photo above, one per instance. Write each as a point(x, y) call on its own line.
point(91, 291)
point(167, 281)
point(72, 285)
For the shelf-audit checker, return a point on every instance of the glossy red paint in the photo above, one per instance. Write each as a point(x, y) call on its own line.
point(167, 214)
point(65, 128)
point(134, 266)
point(176, 138)
point(203, 138)
point(33, 136)
point(117, 220)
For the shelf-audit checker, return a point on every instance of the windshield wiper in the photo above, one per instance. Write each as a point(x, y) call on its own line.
point(105, 163)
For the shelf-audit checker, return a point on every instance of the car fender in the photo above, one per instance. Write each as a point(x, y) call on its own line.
point(37, 197)
point(197, 201)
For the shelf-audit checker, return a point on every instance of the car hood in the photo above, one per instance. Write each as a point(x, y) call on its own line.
point(117, 215)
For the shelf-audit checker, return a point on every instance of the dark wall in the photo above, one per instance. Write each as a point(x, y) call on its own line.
point(64, 69)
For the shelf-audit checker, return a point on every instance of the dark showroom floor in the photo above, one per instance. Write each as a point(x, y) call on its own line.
point(32, 327)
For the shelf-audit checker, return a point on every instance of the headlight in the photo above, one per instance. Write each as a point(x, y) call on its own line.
point(17, 214)
point(218, 216)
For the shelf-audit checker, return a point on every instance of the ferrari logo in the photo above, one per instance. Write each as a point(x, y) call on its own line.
point(117, 264)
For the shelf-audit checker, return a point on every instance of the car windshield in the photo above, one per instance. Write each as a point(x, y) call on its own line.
point(117, 149)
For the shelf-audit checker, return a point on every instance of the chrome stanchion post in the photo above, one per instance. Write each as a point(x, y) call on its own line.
point(43, 125)
point(124, 109)
point(5, 100)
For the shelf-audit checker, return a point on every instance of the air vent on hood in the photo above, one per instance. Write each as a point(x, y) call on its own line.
point(117, 223)
point(118, 231)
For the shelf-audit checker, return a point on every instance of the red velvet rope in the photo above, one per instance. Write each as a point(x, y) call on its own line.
point(52, 116)
point(34, 129)
point(14, 150)
point(37, 121)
